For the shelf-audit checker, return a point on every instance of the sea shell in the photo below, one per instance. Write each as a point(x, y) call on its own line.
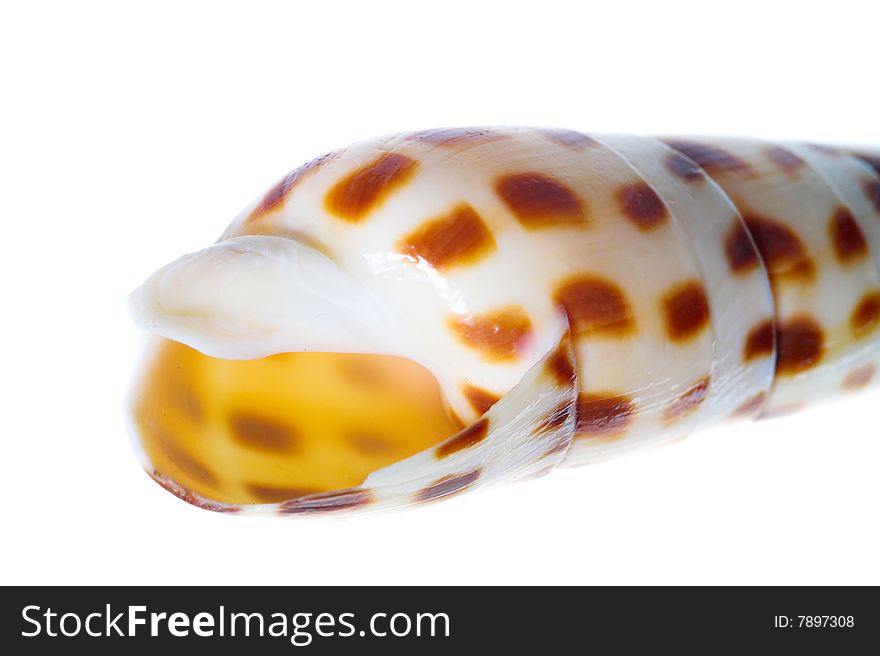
point(573, 296)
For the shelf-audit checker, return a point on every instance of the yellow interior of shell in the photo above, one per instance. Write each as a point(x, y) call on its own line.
point(261, 431)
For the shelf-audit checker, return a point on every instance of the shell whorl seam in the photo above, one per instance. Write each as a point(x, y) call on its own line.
point(574, 296)
point(811, 214)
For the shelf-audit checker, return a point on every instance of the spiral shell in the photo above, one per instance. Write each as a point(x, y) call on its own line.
point(574, 297)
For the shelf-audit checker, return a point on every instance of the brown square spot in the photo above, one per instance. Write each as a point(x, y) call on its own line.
point(778, 244)
point(326, 502)
point(742, 254)
point(711, 158)
point(363, 190)
point(539, 201)
point(686, 310)
point(262, 433)
point(799, 345)
point(497, 335)
point(568, 138)
point(457, 238)
point(595, 305)
point(448, 485)
point(480, 399)
point(784, 159)
point(641, 205)
point(473, 434)
point(683, 167)
point(686, 403)
point(603, 414)
point(865, 318)
point(761, 341)
point(846, 235)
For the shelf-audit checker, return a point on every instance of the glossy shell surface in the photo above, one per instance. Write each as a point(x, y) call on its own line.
point(575, 296)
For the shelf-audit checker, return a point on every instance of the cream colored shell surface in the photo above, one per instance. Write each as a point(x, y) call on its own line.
point(612, 291)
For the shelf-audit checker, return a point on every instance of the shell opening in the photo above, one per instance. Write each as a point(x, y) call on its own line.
point(283, 426)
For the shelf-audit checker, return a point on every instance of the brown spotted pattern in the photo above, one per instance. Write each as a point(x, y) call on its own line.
point(556, 418)
point(363, 190)
point(799, 345)
point(872, 191)
point(275, 197)
point(760, 341)
point(641, 205)
point(569, 138)
point(784, 159)
point(595, 306)
point(865, 318)
point(742, 254)
point(781, 248)
point(328, 502)
point(688, 401)
point(499, 335)
point(473, 434)
point(458, 238)
point(479, 399)
point(187, 462)
point(270, 494)
point(860, 378)
point(683, 166)
point(448, 485)
point(711, 158)
point(603, 415)
point(686, 311)
point(261, 433)
point(538, 200)
point(561, 365)
point(846, 235)
point(751, 407)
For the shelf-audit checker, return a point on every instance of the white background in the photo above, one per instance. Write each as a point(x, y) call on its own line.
point(133, 132)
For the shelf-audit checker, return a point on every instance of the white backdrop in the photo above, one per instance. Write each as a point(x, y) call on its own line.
point(133, 132)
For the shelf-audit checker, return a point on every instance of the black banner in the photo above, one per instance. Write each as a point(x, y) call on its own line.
point(333, 620)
